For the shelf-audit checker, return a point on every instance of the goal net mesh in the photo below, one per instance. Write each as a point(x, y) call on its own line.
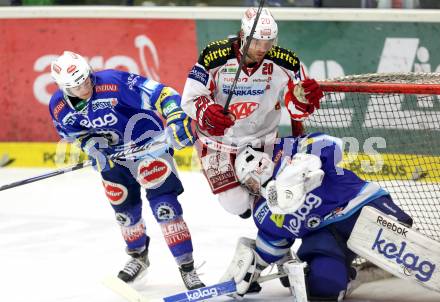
point(390, 125)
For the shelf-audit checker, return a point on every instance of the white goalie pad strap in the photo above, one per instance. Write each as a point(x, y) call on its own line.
point(295, 273)
point(295, 179)
point(394, 247)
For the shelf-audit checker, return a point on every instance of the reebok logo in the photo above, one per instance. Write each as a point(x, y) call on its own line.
point(392, 226)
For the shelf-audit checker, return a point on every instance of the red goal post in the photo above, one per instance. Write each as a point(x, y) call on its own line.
point(398, 115)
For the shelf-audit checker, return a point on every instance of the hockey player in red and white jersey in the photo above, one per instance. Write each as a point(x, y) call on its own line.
point(270, 75)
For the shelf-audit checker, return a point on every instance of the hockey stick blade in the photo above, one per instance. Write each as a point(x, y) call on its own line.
point(131, 295)
point(125, 291)
point(204, 293)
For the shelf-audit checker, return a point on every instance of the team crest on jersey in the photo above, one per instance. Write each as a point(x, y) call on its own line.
point(153, 172)
point(116, 193)
point(242, 110)
point(313, 221)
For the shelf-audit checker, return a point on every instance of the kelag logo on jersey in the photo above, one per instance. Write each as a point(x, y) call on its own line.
point(242, 110)
point(312, 202)
point(107, 120)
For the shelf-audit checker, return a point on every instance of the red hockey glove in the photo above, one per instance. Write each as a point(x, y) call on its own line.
point(303, 99)
point(313, 92)
point(210, 117)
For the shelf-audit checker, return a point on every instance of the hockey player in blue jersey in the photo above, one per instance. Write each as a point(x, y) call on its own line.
point(304, 194)
point(109, 111)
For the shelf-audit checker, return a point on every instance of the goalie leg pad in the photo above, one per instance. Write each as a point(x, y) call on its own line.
point(396, 248)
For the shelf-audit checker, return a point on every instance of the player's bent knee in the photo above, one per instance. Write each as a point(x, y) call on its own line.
point(166, 207)
point(236, 200)
point(327, 278)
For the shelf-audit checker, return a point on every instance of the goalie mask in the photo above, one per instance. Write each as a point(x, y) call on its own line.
point(266, 30)
point(70, 70)
point(254, 169)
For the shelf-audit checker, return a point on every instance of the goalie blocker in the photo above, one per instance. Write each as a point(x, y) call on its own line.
point(396, 248)
point(246, 267)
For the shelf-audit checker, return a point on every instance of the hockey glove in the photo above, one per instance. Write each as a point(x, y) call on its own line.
point(97, 149)
point(304, 99)
point(210, 117)
point(179, 130)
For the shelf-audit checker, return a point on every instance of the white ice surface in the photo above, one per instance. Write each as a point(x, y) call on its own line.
point(59, 239)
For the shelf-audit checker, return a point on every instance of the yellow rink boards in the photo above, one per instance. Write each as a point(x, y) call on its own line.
point(383, 167)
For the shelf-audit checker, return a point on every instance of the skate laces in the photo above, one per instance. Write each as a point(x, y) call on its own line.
point(134, 266)
point(191, 277)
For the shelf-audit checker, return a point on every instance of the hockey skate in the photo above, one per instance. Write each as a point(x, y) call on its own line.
point(189, 276)
point(136, 267)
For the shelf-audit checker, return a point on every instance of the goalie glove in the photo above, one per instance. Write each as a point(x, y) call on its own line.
point(303, 99)
point(296, 177)
point(245, 267)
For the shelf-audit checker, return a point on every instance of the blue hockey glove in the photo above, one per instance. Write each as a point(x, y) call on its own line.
point(179, 130)
point(97, 150)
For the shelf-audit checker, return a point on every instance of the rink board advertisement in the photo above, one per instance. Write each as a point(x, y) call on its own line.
point(57, 155)
point(165, 50)
point(147, 47)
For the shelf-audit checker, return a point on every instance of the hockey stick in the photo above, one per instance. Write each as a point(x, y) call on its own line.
point(245, 51)
point(220, 289)
point(159, 142)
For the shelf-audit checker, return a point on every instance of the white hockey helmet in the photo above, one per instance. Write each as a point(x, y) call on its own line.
point(253, 169)
point(266, 29)
point(70, 70)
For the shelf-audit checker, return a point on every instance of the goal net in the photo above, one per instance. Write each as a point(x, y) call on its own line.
point(390, 125)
